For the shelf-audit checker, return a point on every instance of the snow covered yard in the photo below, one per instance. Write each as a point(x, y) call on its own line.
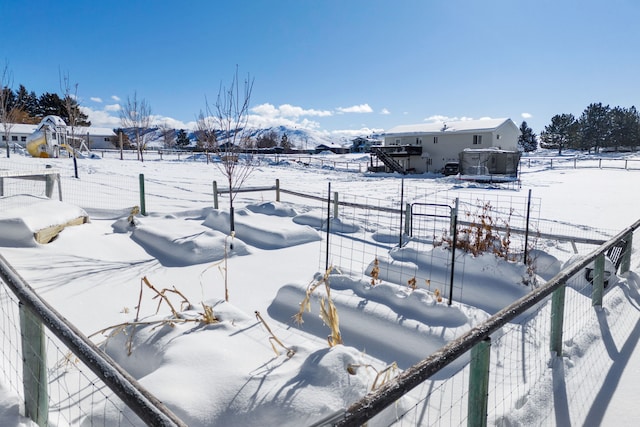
point(234, 372)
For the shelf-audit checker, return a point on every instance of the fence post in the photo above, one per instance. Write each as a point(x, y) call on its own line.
point(479, 384)
point(277, 189)
point(34, 368)
point(49, 179)
point(335, 205)
point(557, 319)
point(408, 220)
point(454, 239)
point(215, 195)
point(598, 281)
point(625, 264)
point(526, 230)
point(143, 207)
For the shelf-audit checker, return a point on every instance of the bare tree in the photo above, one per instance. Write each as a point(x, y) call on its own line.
point(206, 132)
point(7, 109)
point(168, 135)
point(228, 118)
point(136, 115)
point(70, 98)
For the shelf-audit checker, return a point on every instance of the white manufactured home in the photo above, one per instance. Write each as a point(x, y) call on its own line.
point(427, 147)
point(95, 137)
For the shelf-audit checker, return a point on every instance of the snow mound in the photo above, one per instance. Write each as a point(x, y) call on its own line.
point(338, 225)
point(375, 321)
point(230, 375)
point(263, 231)
point(273, 208)
point(177, 242)
point(22, 216)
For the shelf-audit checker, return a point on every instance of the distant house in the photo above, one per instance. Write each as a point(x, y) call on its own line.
point(334, 148)
point(427, 147)
point(18, 133)
point(95, 137)
point(363, 145)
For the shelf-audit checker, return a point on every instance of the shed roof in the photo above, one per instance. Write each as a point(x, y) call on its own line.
point(444, 127)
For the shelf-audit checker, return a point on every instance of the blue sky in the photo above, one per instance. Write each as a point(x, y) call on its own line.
point(332, 65)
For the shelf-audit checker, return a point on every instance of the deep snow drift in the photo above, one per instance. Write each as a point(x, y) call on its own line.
point(235, 372)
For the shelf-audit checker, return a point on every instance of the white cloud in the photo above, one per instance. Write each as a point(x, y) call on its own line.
point(112, 107)
point(96, 99)
point(526, 115)
point(172, 123)
point(443, 119)
point(273, 120)
point(115, 98)
point(362, 108)
point(287, 110)
point(101, 118)
point(385, 112)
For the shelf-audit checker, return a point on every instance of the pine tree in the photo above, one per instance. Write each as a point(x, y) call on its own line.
point(594, 127)
point(561, 133)
point(527, 141)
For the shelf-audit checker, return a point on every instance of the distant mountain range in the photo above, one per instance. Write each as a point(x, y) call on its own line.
point(299, 138)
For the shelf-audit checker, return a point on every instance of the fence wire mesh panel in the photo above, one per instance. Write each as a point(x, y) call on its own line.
point(76, 396)
point(528, 384)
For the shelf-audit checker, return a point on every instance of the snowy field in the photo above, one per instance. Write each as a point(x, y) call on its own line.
point(235, 373)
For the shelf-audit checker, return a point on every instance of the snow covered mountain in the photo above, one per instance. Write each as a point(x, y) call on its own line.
point(304, 139)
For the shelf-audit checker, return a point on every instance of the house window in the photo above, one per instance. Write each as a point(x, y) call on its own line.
point(477, 139)
point(397, 141)
point(23, 138)
point(435, 139)
point(14, 137)
point(106, 139)
point(4, 138)
point(418, 141)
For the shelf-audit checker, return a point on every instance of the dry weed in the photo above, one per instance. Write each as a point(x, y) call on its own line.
point(384, 376)
point(328, 311)
point(273, 338)
point(207, 316)
point(375, 272)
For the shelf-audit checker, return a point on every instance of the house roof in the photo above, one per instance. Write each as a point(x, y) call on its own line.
point(444, 127)
point(22, 128)
point(19, 128)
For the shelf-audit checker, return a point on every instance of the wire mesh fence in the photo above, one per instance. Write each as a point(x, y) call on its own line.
point(75, 395)
point(399, 237)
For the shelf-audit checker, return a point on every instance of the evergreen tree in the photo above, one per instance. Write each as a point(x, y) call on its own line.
point(594, 127)
point(561, 133)
point(182, 140)
point(50, 104)
point(625, 126)
point(527, 141)
point(27, 101)
point(9, 99)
